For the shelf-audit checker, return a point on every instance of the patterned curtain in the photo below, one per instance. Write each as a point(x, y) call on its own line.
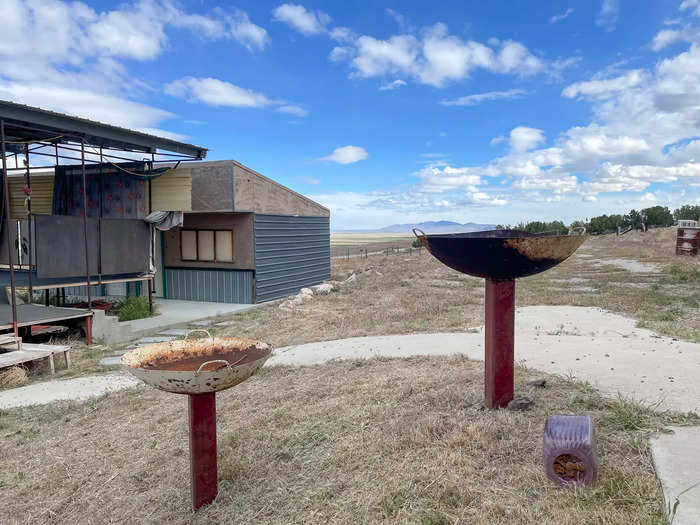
point(111, 192)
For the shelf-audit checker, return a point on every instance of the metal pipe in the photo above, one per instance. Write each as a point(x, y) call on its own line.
point(499, 337)
point(8, 238)
point(27, 181)
point(85, 228)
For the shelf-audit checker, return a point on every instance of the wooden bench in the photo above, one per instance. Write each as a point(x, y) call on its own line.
point(10, 356)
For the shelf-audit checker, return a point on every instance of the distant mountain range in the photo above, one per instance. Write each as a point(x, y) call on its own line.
point(429, 227)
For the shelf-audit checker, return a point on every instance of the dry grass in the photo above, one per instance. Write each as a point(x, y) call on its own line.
point(12, 377)
point(351, 442)
point(402, 293)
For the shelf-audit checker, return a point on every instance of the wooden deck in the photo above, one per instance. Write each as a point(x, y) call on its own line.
point(31, 314)
point(10, 356)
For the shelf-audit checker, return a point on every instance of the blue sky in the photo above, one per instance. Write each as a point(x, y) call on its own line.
point(394, 112)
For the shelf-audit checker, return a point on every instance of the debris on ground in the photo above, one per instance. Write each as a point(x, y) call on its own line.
point(13, 377)
point(306, 294)
point(520, 403)
point(540, 383)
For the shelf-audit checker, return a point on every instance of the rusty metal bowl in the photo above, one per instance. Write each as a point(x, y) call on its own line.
point(197, 366)
point(500, 254)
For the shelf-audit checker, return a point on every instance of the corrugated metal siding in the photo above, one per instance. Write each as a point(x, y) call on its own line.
point(172, 191)
point(213, 285)
point(290, 253)
point(42, 195)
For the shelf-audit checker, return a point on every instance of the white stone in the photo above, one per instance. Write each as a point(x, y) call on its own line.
point(322, 289)
point(306, 291)
point(351, 279)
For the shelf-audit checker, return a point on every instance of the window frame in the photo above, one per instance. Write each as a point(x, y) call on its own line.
point(196, 239)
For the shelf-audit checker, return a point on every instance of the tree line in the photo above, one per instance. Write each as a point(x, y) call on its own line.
point(654, 216)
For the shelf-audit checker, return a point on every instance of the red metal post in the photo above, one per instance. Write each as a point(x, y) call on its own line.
point(499, 329)
point(203, 474)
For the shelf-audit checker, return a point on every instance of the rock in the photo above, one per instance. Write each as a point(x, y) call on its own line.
point(306, 291)
point(540, 383)
point(350, 279)
point(520, 403)
point(322, 289)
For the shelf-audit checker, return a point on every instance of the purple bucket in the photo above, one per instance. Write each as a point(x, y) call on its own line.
point(569, 451)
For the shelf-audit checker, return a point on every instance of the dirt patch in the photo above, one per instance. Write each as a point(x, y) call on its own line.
point(368, 441)
point(631, 265)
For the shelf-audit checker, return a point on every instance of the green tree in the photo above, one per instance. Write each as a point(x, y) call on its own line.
point(658, 216)
point(687, 212)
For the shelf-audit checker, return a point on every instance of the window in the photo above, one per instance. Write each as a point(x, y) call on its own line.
point(206, 245)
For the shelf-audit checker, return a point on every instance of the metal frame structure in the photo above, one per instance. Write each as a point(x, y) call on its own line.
point(28, 131)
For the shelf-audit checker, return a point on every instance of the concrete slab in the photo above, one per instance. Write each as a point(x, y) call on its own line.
point(589, 344)
point(78, 389)
point(205, 322)
point(154, 339)
point(110, 361)
point(676, 458)
point(171, 313)
point(179, 332)
point(120, 352)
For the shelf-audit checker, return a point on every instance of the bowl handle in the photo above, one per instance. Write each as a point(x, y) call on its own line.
point(579, 230)
point(205, 363)
point(421, 234)
point(199, 330)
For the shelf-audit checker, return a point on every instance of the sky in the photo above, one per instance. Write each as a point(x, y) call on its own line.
point(394, 112)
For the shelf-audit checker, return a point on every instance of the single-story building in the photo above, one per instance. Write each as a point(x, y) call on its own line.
point(244, 238)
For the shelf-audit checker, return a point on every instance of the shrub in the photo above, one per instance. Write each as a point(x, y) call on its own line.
point(133, 308)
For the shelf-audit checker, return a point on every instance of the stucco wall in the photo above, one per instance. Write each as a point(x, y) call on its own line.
point(254, 192)
point(212, 186)
point(243, 249)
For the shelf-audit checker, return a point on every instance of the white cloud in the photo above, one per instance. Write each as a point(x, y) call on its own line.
point(648, 197)
point(561, 16)
point(219, 93)
point(478, 98)
point(297, 17)
point(402, 22)
point(436, 57)
point(607, 16)
point(68, 57)
point(524, 138)
point(293, 110)
point(340, 53)
point(691, 5)
point(606, 87)
point(392, 85)
point(342, 34)
point(346, 155)
point(215, 92)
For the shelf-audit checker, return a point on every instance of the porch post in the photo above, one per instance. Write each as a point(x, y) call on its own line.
point(85, 228)
point(8, 238)
point(29, 222)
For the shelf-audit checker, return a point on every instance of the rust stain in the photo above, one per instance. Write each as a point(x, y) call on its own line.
point(187, 355)
point(556, 248)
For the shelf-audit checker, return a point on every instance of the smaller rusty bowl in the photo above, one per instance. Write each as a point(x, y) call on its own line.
point(197, 366)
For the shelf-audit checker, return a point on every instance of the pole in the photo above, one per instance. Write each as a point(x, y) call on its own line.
point(499, 338)
point(203, 474)
point(8, 238)
point(85, 227)
point(29, 223)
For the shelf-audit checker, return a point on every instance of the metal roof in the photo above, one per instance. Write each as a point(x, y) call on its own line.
point(26, 123)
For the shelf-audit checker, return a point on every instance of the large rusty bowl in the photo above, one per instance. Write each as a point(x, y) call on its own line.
point(197, 366)
point(500, 254)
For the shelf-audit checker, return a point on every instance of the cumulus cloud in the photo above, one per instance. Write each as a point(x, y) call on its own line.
point(80, 51)
point(436, 57)
point(605, 87)
point(300, 19)
point(346, 155)
point(478, 98)
point(691, 5)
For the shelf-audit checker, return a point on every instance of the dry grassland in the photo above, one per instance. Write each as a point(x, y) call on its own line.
point(380, 441)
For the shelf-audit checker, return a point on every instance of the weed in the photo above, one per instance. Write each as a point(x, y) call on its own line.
point(133, 308)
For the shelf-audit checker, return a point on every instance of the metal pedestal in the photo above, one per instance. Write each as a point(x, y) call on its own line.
point(499, 330)
point(203, 473)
